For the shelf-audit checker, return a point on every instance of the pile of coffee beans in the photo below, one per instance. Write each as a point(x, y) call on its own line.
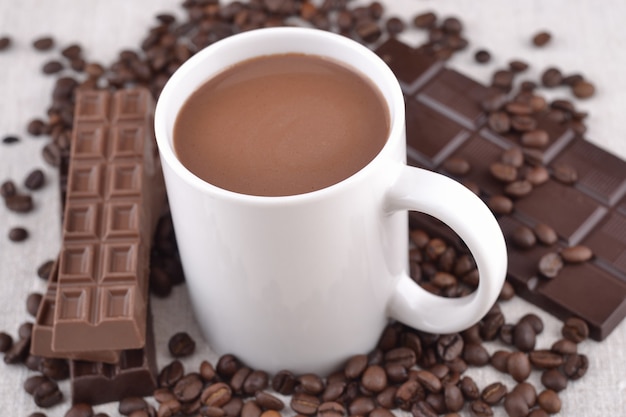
point(421, 373)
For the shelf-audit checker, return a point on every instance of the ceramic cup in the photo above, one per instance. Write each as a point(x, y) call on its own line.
point(302, 282)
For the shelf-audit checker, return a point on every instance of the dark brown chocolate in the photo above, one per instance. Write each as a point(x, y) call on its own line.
point(584, 201)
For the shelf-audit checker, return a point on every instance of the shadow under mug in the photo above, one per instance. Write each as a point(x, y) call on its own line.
point(303, 282)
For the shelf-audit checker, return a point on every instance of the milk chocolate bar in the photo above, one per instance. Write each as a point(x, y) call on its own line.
point(446, 118)
point(102, 287)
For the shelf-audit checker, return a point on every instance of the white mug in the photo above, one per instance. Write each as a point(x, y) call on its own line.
point(303, 282)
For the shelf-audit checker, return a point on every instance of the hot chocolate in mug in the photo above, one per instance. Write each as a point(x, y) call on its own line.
point(303, 282)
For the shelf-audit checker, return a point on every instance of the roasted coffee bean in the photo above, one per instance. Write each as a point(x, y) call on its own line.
point(43, 43)
point(450, 346)
point(583, 89)
point(5, 42)
point(545, 359)
point(284, 382)
point(381, 412)
point(518, 366)
point(500, 204)
point(310, 384)
point(423, 409)
point(482, 56)
point(541, 38)
point(188, 388)
point(518, 189)
point(518, 66)
point(204, 411)
point(216, 394)
point(268, 401)
point(36, 127)
point(390, 336)
point(576, 254)
point(513, 156)
point(404, 356)
point(374, 378)
point(10, 139)
point(536, 175)
point(18, 234)
point(549, 401)
point(181, 345)
point(32, 362)
point(552, 77)
point(355, 366)
point(554, 379)
point(162, 395)
point(499, 360)
point(535, 321)
point(527, 391)
point(232, 408)
point(52, 67)
point(6, 341)
point(515, 405)
point(171, 374)
point(52, 154)
point(519, 108)
point(493, 393)
point(499, 122)
point(479, 408)
point(545, 234)
point(8, 189)
point(19, 203)
point(575, 366)
point(33, 382)
point(524, 336)
point(394, 26)
point(564, 173)
point(564, 347)
point(425, 20)
point(304, 403)
point(428, 380)
point(259, 380)
point(80, 410)
point(523, 237)
point(386, 398)
point(25, 330)
point(169, 408)
point(237, 380)
point(523, 123)
point(408, 393)
point(47, 394)
point(453, 397)
point(376, 356)
point(227, 365)
point(331, 409)
point(35, 179)
point(129, 405)
point(550, 264)
point(503, 79)
point(537, 138)
point(575, 329)
point(490, 326)
point(361, 406)
point(54, 368)
point(456, 166)
point(251, 409)
point(18, 351)
point(469, 388)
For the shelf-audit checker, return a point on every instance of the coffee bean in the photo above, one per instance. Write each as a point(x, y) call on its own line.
point(524, 336)
point(518, 189)
point(583, 89)
point(506, 334)
point(374, 378)
point(456, 166)
point(545, 359)
point(216, 394)
point(129, 405)
point(493, 393)
point(523, 123)
point(450, 346)
point(503, 79)
point(44, 43)
point(284, 382)
point(503, 172)
point(491, 325)
point(8, 189)
point(537, 138)
point(268, 401)
point(550, 264)
point(54, 368)
point(227, 365)
point(47, 394)
point(552, 77)
point(52, 154)
point(35, 180)
point(331, 409)
point(425, 20)
point(499, 122)
point(565, 173)
point(476, 355)
point(18, 351)
point(259, 380)
point(5, 42)
point(6, 341)
point(237, 380)
point(549, 401)
point(43, 271)
point(575, 366)
point(500, 204)
point(535, 321)
point(33, 382)
point(368, 30)
point(80, 410)
point(181, 345)
point(19, 203)
point(554, 379)
point(517, 65)
point(480, 408)
point(251, 409)
point(513, 157)
point(482, 56)
point(169, 408)
point(361, 406)
point(381, 412)
point(423, 409)
point(394, 26)
point(188, 388)
point(355, 366)
point(518, 366)
point(536, 175)
point(453, 397)
point(171, 374)
point(310, 384)
point(564, 347)
point(515, 405)
point(576, 254)
point(575, 329)
point(304, 403)
point(541, 38)
point(18, 234)
point(52, 67)
point(527, 391)
point(545, 234)
point(523, 237)
point(519, 108)
point(408, 393)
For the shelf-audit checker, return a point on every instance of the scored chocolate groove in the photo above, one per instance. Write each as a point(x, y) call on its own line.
point(446, 119)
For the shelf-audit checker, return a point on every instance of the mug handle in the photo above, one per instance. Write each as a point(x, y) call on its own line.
point(451, 202)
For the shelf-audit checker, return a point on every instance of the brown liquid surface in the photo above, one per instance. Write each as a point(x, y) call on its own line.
point(281, 125)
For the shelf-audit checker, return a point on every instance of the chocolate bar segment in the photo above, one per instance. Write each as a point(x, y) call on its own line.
point(102, 289)
point(445, 119)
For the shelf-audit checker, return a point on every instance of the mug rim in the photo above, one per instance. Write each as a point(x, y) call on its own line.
point(164, 137)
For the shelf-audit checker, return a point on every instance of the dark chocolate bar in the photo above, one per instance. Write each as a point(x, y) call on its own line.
point(446, 118)
point(102, 288)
